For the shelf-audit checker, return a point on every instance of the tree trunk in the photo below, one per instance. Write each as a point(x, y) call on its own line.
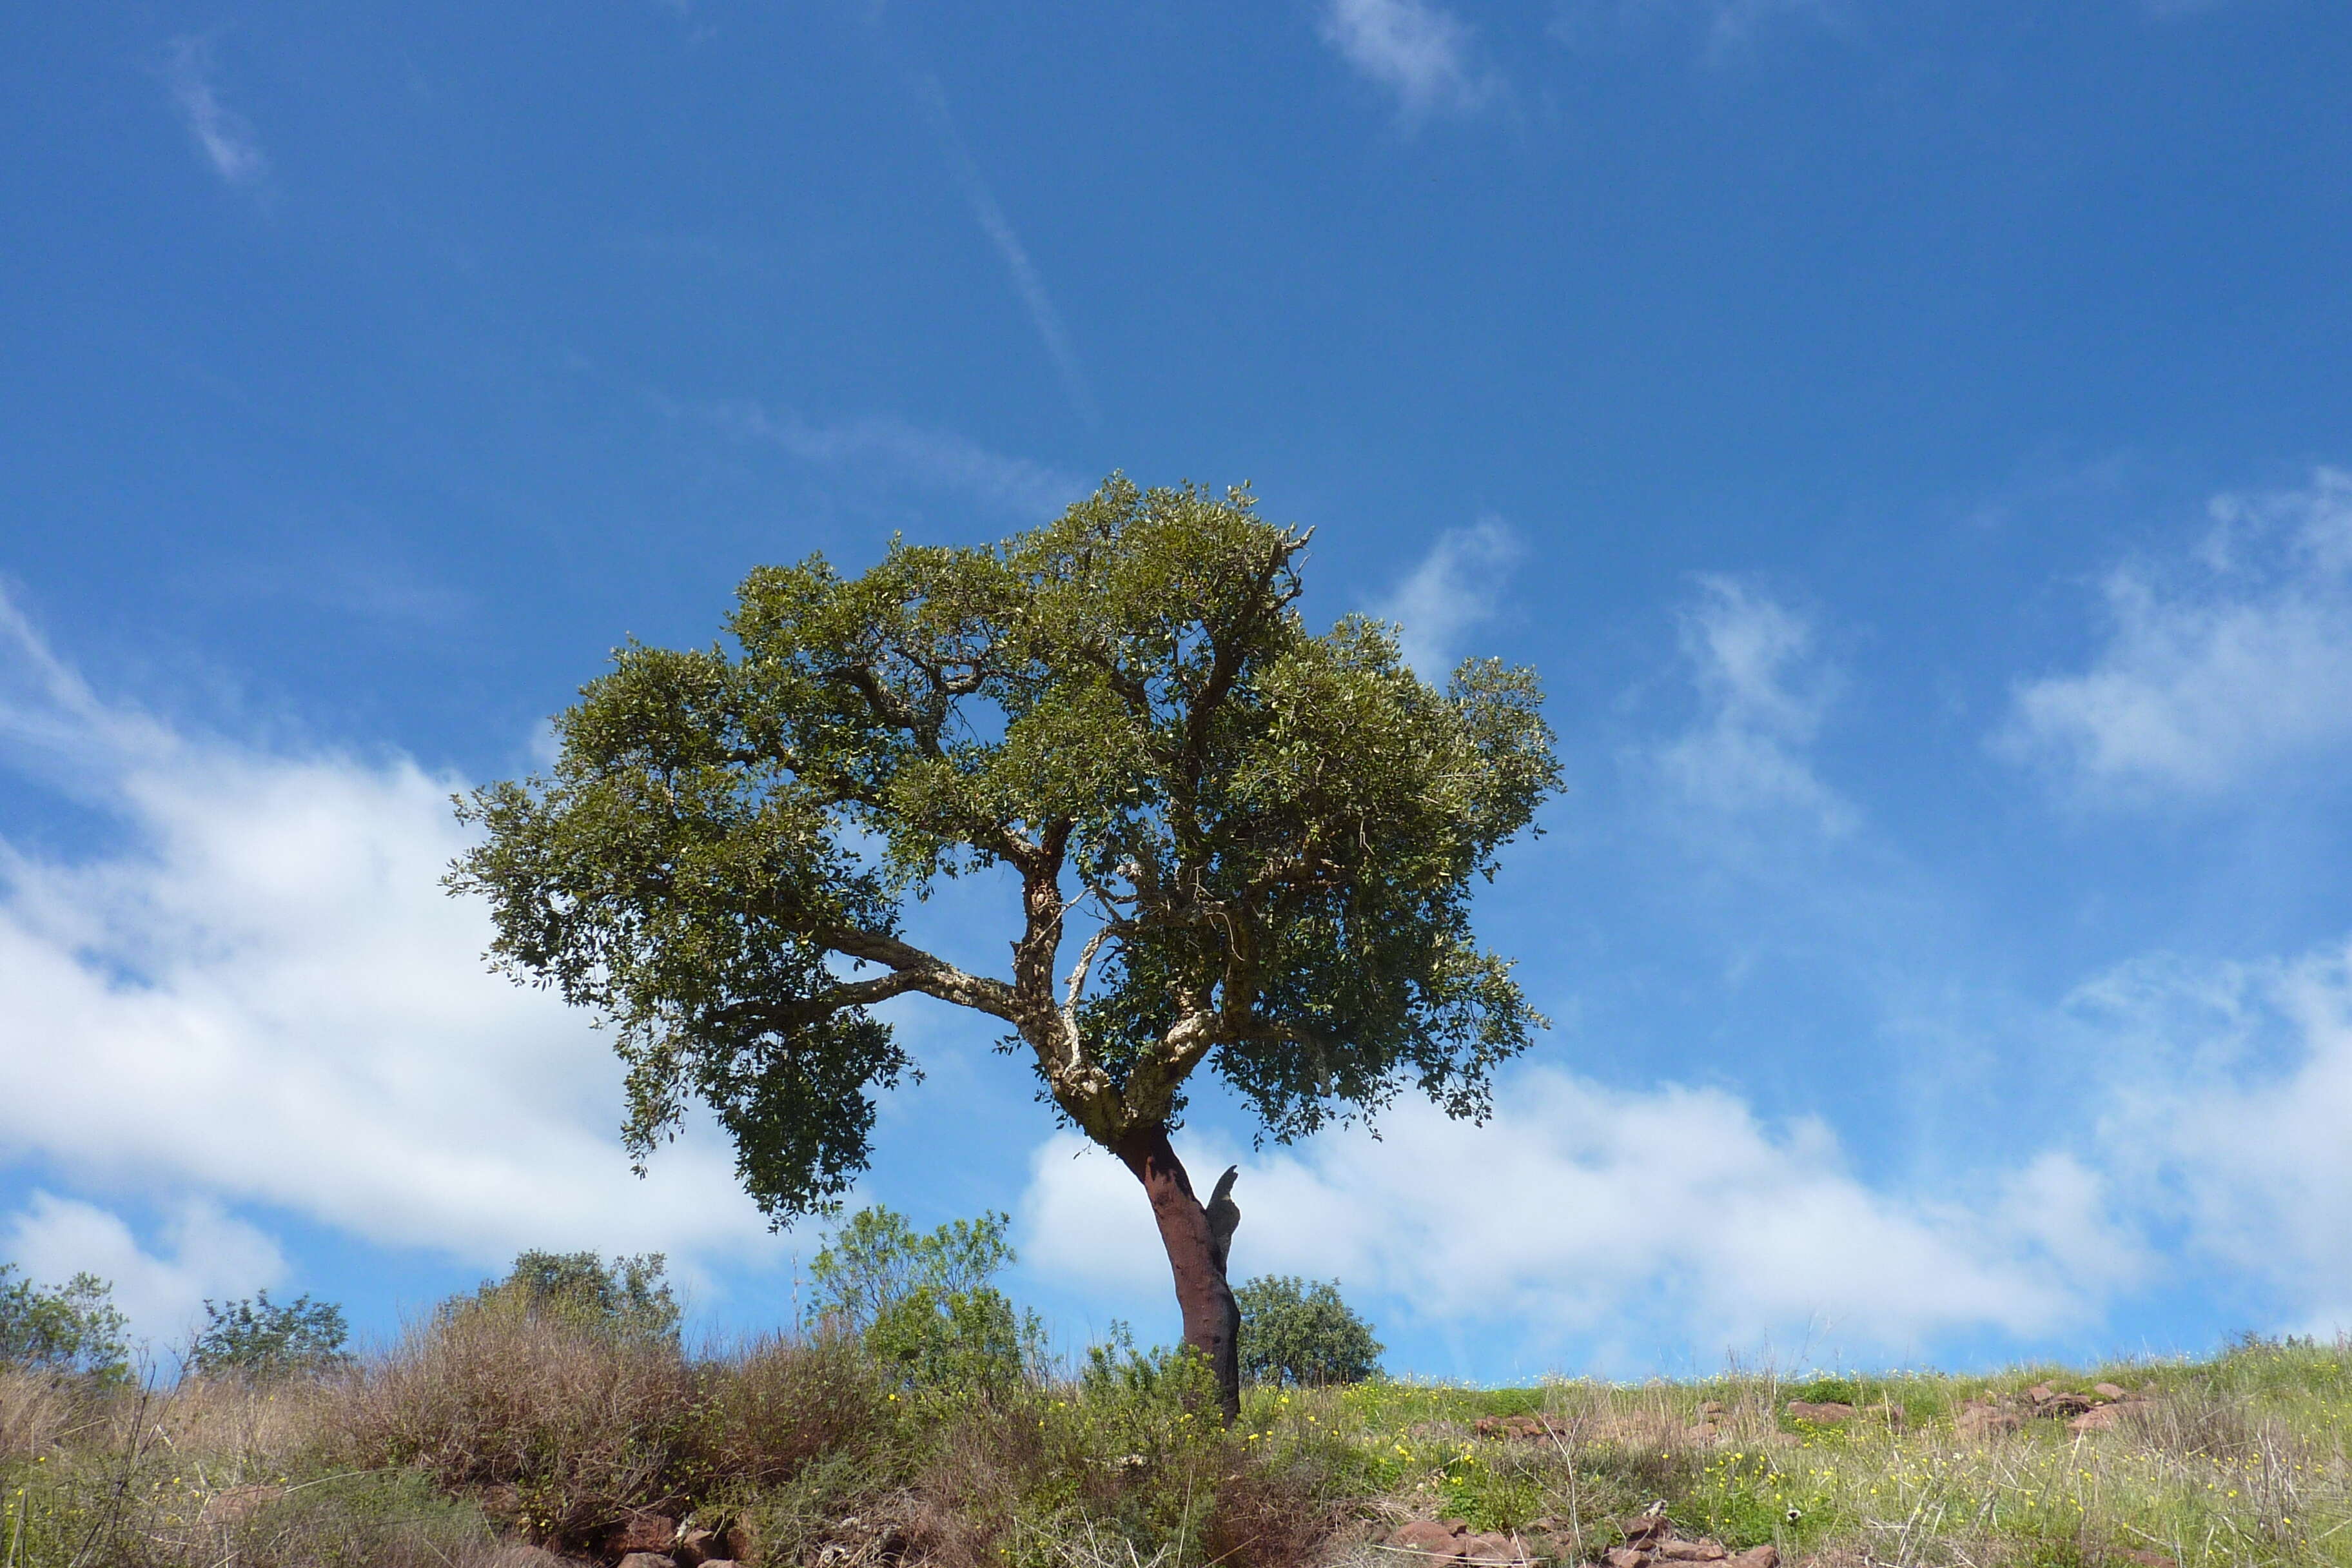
point(1212, 1320)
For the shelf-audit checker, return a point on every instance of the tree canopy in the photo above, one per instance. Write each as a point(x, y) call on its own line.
point(1260, 841)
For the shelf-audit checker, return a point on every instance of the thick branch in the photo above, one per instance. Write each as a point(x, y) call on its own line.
point(922, 972)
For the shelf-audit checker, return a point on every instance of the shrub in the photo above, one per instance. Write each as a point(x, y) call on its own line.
point(923, 1304)
point(765, 1414)
point(72, 1329)
point(260, 1337)
point(559, 1426)
point(1302, 1334)
point(627, 1297)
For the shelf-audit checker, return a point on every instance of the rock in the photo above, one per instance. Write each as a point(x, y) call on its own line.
point(1428, 1535)
point(2098, 1418)
point(736, 1542)
point(1764, 1556)
point(2108, 1391)
point(1713, 1407)
point(2040, 1392)
point(1646, 1527)
point(1626, 1557)
point(236, 1504)
point(652, 1533)
point(647, 1560)
point(1490, 1549)
point(1976, 1420)
point(696, 1546)
point(1829, 1412)
point(1689, 1552)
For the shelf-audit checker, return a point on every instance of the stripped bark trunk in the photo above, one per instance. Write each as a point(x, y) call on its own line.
point(1211, 1319)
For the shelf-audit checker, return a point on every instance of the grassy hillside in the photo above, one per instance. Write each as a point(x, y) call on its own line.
point(485, 1431)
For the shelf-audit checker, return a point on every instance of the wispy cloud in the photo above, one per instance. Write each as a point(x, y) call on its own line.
point(929, 459)
point(257, 991)
point(222, 134)
point(1728, 25)
point(1458, 585)
point(1763, 693)
point(2218, 667)
point(1416, 49)
point(1026, 281)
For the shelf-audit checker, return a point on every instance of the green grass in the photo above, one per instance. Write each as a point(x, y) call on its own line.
point(2236, 1459)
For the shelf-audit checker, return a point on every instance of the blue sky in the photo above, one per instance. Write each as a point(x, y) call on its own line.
point(1913, 440)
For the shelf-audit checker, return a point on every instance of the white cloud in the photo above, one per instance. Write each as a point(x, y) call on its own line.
point(2216, 669)
point(1420, 51)
point(1763, 694)
point(260, 994)
point(1579, 1208)
point(932, 459)
point(1457, 587)
point(222, 134)
point(2229, 1091)
point(207, 1255)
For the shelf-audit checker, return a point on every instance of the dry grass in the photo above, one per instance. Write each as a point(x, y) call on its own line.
point(481, 1425)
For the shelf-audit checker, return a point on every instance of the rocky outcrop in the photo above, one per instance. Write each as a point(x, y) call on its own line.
point(2104, 1406)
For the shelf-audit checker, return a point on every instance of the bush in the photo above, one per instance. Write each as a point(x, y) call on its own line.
point(260, 1337)
point(559, 1426)
point(1302, 1334)
point(627, 1297)
point(923, 1304)
point(72, 1329)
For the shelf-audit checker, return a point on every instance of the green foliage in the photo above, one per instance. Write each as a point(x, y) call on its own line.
point(628, 1298)
point(260, 1337)
point(922, 1302)
point(72, 1329)
point(1274, 833)
point(1296, 1333)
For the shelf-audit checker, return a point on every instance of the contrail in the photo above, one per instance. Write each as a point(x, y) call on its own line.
point(1016, 256)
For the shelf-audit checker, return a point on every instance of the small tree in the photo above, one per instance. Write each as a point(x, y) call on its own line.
point(1293, 1332)
point(72, 1329)
point(627, 1297)
point(1262, 842)
point(924, 1303)
point(260, 1337)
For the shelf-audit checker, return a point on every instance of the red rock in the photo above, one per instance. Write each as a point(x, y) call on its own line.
point(1644, 1526)
point(1626, 1557)
point(1764, 1556)
point(1429, 1536)
point(1490, 1549)
point(648, 1560)
point(642, 1532)
point(1689, 1552)
point(1830, 1413)
point(2108, 1391)
point(1983, 1420)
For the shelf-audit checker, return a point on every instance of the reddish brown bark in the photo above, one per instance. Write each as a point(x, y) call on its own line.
point(1211, 1319)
